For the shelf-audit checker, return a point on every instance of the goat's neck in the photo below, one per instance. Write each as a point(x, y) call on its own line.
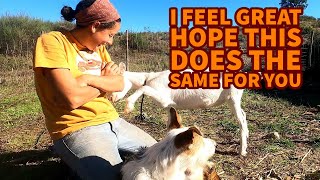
point(136, 78)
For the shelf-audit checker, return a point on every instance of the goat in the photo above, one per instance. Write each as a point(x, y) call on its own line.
point(155, 85)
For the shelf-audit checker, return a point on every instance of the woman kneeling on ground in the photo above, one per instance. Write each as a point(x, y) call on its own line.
point(73, 72)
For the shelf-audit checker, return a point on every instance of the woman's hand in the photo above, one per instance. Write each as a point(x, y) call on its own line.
point(109, 68)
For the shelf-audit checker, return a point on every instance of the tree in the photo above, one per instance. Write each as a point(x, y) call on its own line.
point(294, 3)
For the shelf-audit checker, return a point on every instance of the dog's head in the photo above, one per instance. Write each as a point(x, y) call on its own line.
point(189, 140)
point(182, 154)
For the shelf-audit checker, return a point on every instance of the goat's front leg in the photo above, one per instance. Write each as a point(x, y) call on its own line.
point(161, 98)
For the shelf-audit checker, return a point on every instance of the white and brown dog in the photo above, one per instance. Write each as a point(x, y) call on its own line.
point(182, 155)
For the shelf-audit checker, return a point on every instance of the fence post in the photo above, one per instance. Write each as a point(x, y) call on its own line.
point(127, 51)
point(310, 55)
point(7, 49)
point(27, 49)
point(20, 52)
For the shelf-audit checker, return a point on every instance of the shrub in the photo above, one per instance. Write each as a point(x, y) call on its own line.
point(19, 33)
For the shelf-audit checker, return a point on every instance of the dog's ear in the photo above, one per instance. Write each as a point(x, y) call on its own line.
point(174, 120)
point(122, 67)
point(186, 138)
point(210, 173)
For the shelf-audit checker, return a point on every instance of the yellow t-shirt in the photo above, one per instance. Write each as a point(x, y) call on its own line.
point(61, 50)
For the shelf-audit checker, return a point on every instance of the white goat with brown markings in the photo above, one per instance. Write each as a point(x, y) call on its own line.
point(155, 85)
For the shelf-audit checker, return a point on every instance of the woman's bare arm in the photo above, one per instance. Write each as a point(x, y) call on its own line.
point(74, 92)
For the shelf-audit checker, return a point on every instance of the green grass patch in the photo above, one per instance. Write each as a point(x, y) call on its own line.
point(228, 125)
point(283, 126)
point(271, 148)
point(285, 143)
point(274, 146)
point(18, 106)
point(252, 128)
point(22, 140)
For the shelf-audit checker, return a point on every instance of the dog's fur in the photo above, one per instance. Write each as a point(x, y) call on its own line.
point(182, 155)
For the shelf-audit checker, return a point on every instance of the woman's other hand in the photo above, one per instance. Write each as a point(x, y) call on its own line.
point(109, 68)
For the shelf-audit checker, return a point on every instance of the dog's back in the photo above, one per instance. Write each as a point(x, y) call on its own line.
point(183, 154)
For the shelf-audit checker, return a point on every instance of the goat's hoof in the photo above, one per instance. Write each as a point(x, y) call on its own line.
point(244, 153)
point(129, 107)
point(127, 111)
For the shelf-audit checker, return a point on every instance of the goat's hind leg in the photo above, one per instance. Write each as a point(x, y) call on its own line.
point(235, 106)
point(161, 98)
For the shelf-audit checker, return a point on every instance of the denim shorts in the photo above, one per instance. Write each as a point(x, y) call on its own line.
point(93, 152)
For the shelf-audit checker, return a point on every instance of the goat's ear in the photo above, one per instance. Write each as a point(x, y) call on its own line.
point(186, 138)
point(122, 67)
point(174, 120)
